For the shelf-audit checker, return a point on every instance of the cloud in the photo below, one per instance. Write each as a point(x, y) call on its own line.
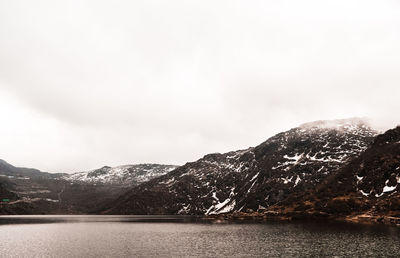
point(113, 82)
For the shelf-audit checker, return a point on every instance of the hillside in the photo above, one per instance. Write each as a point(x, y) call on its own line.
point(31, 191)
point(252, 179)
point(365, 189)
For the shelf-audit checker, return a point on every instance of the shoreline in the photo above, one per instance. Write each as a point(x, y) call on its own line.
point(360, 218)
point(273, 216)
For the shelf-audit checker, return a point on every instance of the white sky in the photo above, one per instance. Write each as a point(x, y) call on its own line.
point(90, 83)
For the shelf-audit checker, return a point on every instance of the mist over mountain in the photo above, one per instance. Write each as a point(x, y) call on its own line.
point(194, 128)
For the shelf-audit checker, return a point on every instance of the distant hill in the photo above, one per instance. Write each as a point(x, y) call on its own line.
point(10, 171)
point(31, 191)
point(127, 175)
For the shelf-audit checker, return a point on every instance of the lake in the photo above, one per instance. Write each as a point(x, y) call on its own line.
point(174, 236)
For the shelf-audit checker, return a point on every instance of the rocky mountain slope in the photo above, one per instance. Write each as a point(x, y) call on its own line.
point(251, 179)
point(368, 187)
point(127, 175)
point(30, 191)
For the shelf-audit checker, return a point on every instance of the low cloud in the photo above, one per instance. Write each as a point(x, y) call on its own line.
point(91, 83)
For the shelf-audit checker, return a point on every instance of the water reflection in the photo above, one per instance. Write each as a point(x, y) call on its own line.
point(179, 236)
point(42, 219)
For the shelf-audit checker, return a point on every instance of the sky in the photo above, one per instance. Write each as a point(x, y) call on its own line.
point(85, 84)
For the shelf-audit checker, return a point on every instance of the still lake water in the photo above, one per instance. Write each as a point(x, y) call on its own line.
point(162, 236)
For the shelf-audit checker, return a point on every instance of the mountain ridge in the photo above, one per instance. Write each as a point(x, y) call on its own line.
point(253, 178)
point(30, 191)
point(127, 175)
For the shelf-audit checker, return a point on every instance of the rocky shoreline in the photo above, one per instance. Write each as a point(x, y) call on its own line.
point(297, 216)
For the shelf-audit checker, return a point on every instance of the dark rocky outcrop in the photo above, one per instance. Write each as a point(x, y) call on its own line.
point(368, 188)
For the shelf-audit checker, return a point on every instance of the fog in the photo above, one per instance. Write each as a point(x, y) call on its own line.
point(90, 83)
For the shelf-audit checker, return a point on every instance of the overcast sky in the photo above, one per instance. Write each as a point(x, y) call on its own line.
point(90, 83)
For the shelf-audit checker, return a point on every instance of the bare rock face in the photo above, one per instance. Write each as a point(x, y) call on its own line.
point(255, 178)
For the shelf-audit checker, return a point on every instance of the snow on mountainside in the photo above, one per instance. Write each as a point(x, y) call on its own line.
point(122, 175)
point(30, 191)
point(367, 188)
point(255, 178)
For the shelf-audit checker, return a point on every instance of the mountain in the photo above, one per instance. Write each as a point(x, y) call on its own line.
point(30, 191)
point(10, 171)
point(21, 189)
point(368, 188)
point(127, 175)
point(252, 179)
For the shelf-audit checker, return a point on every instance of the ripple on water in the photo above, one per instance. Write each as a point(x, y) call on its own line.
point(135, 236)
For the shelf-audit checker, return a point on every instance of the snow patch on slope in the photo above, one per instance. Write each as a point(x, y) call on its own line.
point(126, 174)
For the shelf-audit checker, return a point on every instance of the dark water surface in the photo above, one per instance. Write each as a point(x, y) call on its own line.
point(164, 236)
